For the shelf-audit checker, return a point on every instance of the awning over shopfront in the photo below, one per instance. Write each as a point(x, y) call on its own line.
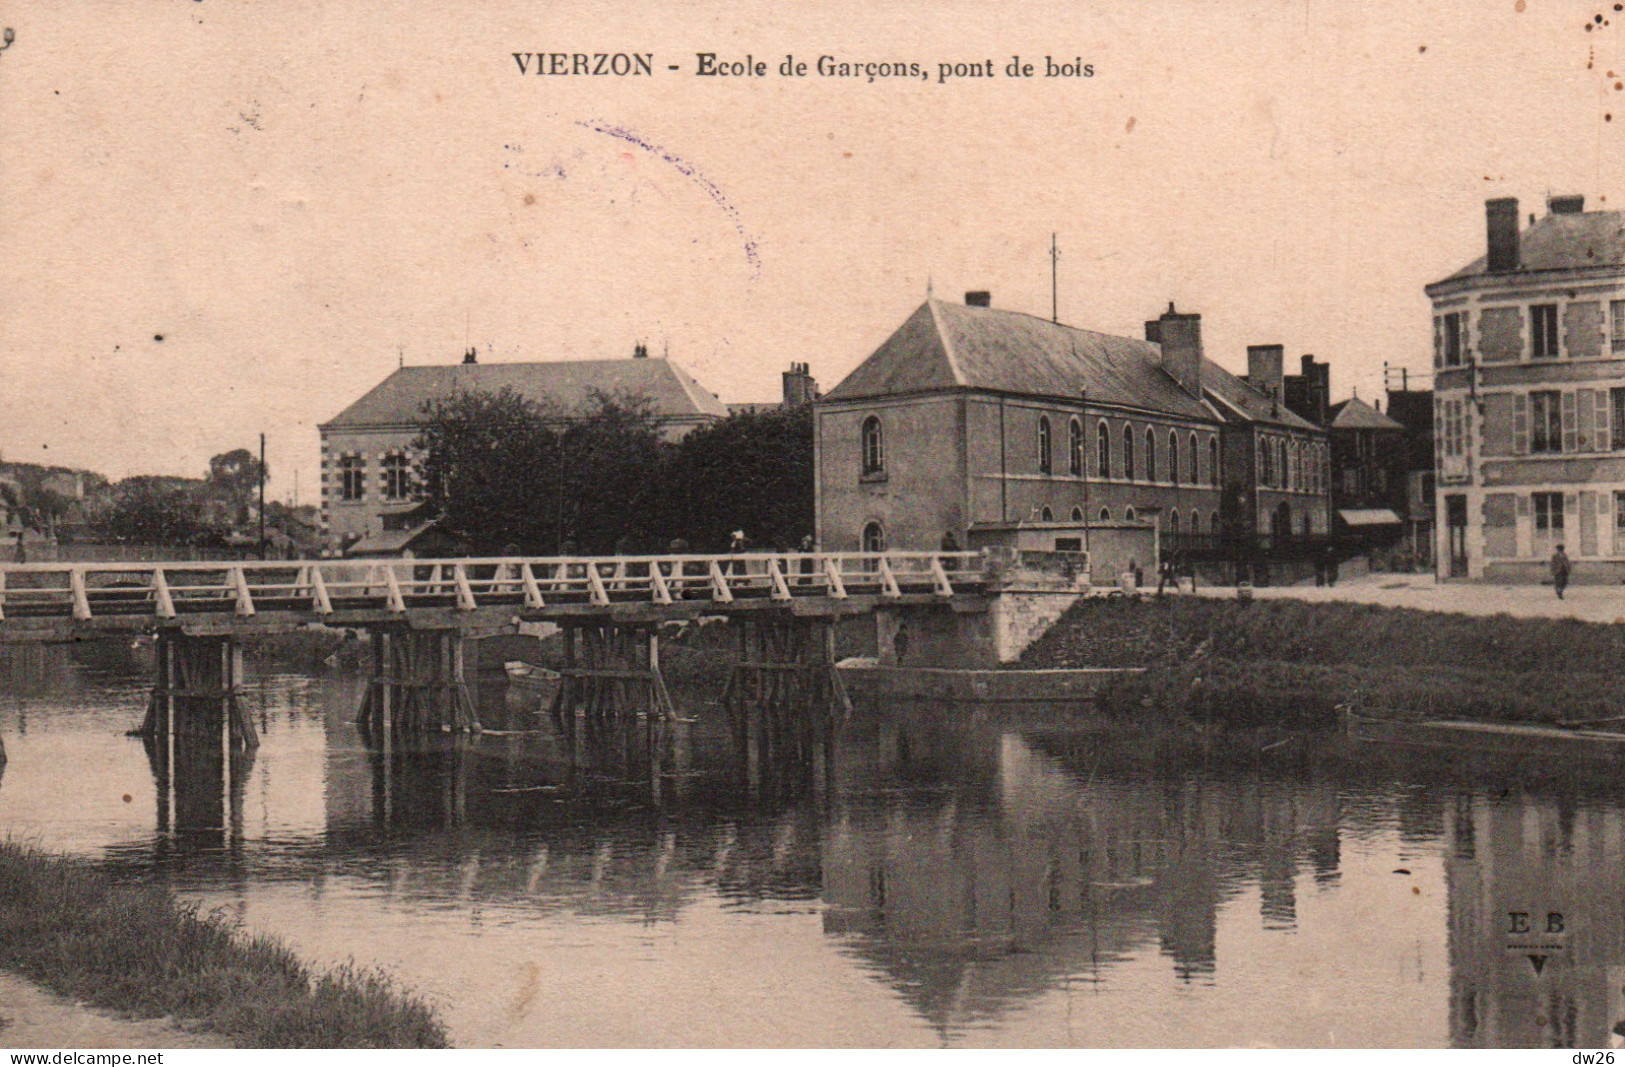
point(1364, 517)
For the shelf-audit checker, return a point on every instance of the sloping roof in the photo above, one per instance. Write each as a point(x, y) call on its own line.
point(947, 345)
point(1565, 242)
point(1237, 399)
point(1356, 414)
point(398, 400)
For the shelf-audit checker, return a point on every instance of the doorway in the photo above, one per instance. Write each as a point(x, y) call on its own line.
point(1455, 521)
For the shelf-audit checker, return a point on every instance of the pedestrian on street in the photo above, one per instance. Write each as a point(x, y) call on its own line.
point(1560, 571)
point(949, 544)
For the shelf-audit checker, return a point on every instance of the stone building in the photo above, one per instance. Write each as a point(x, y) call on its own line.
point(970, 418)
point(369, 478)
point(1529, 397)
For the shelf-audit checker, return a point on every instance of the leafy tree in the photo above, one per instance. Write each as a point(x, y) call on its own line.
point(613, 457)
point(151, 511)
point(237, 472)
point(750, 472)
point(490, 470)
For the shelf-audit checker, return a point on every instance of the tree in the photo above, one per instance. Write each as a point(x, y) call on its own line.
point(613, 460)
point(151, 511)
point(490, 468)
point(237, 472)
point(750, 472)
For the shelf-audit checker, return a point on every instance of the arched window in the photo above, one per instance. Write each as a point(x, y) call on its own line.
point(1195, 522)
point(874, 446)
point(1074, 447)
point(1280, 462)
point(1150, 454)
point(1043, 444)
point(1213, 461)
point(1173, 521)
point(1173, 456)
point(1289, 468)
point(1046, 515)
point(1077, 514)
point(1128, 451)
point(1104, 440)
point(1128, 514)
point(1105, 514)
point(874, 538)
point(1193, 461)
point(1266, 462)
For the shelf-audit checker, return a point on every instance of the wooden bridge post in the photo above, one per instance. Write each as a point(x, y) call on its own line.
point(419, 684)
point(783, 694)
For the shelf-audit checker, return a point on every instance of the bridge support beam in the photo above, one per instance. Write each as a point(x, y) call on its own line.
point(419, 684)
point(783, 691)
point(197, 694)
point(611, 677)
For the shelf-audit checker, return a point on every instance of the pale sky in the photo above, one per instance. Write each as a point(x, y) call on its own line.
point(294, 195)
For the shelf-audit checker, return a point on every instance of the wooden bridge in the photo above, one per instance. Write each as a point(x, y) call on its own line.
point(419, 614)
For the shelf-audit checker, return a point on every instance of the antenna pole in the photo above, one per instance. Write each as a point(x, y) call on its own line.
point(1054, 292)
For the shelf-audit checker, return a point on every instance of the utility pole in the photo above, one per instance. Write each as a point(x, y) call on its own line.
point(1054, 292)
point(262, 496)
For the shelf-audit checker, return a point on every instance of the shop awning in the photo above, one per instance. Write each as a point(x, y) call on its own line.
point(1368, 517)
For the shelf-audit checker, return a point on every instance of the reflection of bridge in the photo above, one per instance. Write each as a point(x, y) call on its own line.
point(421, 613)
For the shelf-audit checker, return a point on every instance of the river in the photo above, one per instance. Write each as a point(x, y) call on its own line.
point(954, 876)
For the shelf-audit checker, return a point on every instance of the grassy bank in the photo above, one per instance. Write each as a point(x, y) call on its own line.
point(1292, 663)
point(67, 926)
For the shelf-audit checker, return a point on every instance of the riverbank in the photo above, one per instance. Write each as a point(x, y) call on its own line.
point(1290, 662)
point(133, 949)
point(33, 1017)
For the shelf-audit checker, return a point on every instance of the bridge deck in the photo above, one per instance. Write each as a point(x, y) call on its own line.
point(58, 601)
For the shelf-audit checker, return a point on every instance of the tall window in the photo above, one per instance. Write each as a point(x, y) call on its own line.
point(352, 478)
point(1105, 514)
point(1077, 514)
point(1150, 454)
point(1548, 512)
point(874, 446)
point(1192, 460)
point(1074, 447)
point(1128, 452)
point(1043, 444)
point(1616, 312)
point(397, 477)
point(1103, 441)
point(1173, 521)
point(1266, 462)
point(1128, 514)
point(1452, 339)
point(1543, 331)
point(1213, 460)
point(1173, 456)
point(1046, 515)
point(1616, 398)
point(1546, 421)
point(874, 538)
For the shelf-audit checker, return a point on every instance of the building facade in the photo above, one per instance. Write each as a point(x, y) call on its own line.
point(970, 418)
point(1529, 397)
point(370, 463)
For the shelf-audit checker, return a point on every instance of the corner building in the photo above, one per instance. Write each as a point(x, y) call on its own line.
point(1529, 397)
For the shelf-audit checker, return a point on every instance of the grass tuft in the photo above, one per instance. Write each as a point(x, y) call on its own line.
point(133, 948)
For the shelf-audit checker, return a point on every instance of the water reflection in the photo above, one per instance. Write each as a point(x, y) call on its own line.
point(924, 874)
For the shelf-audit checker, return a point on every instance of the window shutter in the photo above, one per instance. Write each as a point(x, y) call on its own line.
point(1570, 435)
point(1602, 439)
point(1438, 341)
point(1586, 404)
point(1520, 424)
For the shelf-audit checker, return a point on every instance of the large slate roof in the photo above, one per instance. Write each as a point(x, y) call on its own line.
point(947, 345)
point(398, 400)
point(1565, 242)
point(1236, 399)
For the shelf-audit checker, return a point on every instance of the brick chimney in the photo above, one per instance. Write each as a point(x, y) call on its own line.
point(979, 298)
point(1573, 204)
point(1180, 336)
point(640, 351)
point(1501, 225)
point(799, 386)
point(1264, 369)
point(471, 356)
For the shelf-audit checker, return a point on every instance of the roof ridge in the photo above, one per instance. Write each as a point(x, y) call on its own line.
point(947, 342)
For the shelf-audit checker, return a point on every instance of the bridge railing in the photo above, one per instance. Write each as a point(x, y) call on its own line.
point(168, 590)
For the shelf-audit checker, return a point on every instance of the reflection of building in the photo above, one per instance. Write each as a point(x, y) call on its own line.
point(1521, 978)
point(1529, 384)
point(369, 479)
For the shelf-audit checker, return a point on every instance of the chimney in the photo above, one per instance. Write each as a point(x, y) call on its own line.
point(799, 386)
point(1180, 336)
point(640, 351)
point(1501, 223)
point(1264, 369)
point(979, 298)
point(1573, 204)
point(471, 356)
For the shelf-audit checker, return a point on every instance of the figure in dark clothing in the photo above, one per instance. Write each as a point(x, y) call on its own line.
point(1560, 571)
point(736, 547)
point(806, 548)
point(949, 544)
